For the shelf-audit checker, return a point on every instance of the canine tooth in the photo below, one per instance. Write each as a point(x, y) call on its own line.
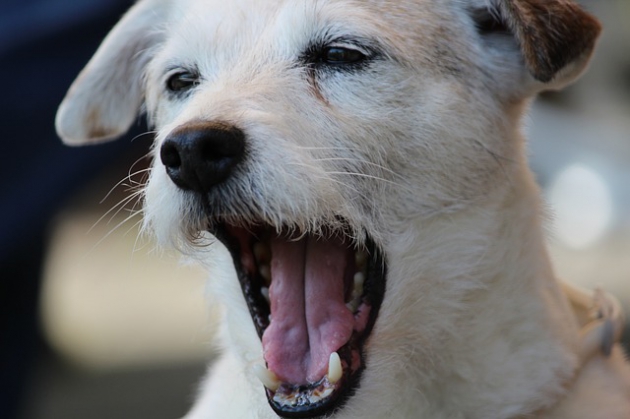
point(262, 252)
point(265, 293)
point(265, 272)
point(268, 378)
point(335, 371)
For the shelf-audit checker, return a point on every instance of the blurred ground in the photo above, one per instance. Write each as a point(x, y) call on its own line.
point(128, 331)
point(64, 392)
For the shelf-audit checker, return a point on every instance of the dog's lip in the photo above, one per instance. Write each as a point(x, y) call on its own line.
point(300, 400)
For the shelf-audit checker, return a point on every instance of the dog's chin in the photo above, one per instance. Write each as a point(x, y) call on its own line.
point(314, 299)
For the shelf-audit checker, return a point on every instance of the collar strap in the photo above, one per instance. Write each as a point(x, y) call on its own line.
point(601, 318)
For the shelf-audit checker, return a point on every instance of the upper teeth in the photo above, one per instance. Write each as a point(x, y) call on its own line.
point(357, 291)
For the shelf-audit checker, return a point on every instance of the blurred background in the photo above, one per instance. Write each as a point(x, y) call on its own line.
point(95, 324)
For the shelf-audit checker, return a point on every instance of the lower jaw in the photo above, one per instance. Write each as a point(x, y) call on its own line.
point(314, 400)
point(320, 398)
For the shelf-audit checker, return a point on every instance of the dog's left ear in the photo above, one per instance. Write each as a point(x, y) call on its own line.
point(556, 37)
point(104, 100)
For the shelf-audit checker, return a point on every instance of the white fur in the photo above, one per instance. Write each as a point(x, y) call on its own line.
point(424, 152)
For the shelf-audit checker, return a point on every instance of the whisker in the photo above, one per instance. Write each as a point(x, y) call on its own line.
point(125, 201)
point(357, 174)
point(362, 161)
point(135, 183)
point(370, 163)
point(134, 226)
point(345, 185)
point(137, 137)
point(121, 182)
point(144, 157)
point(116, 227)
point(117, 208)
point(356, 160)
point(323, 148)
point(364, 175)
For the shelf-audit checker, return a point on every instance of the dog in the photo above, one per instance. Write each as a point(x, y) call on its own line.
point(353, 176)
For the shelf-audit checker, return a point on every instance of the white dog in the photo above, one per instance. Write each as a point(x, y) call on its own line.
point(380, 250)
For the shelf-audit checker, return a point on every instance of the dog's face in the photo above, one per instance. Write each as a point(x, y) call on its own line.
point(317, 140)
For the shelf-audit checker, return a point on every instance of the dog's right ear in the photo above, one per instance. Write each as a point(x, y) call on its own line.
point(555, 38)
point(105, 99)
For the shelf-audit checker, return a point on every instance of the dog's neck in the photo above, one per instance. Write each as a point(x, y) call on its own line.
point(490, 310)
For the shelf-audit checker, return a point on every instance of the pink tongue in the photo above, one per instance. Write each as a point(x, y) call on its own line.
point(309, 317)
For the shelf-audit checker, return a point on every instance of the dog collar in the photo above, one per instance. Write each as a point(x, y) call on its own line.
point(601, 318)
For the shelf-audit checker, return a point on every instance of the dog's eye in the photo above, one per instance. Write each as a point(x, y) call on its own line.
point(339, 55)
point(182, 81)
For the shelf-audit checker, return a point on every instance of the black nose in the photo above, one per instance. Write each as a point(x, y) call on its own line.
point(200, 156)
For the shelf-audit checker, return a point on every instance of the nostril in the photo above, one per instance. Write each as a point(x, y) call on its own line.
point(169, 154)
point(199, 156)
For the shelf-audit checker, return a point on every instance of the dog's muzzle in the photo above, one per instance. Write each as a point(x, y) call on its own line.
point(314, 296)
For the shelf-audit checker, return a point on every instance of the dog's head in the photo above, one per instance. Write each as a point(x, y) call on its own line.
point(313, 138)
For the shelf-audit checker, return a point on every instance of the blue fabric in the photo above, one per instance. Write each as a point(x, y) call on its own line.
point(43, 46)
point(23, 22)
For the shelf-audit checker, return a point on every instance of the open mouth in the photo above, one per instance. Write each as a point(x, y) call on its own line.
point(314, 300)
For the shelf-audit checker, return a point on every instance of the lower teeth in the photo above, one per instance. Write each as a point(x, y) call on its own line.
point(300, 396)
point(304, 397)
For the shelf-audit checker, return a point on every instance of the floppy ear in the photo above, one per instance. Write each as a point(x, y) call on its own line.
point(556, 37)
point(104, 100)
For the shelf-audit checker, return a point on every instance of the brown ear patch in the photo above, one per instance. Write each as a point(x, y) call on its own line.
point(96, 130)
point(551, 33)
